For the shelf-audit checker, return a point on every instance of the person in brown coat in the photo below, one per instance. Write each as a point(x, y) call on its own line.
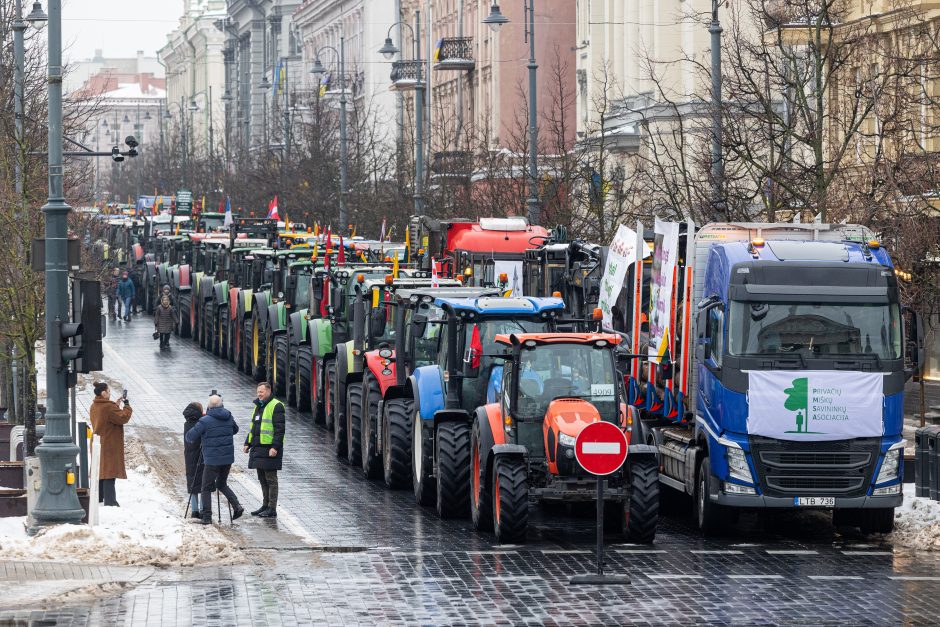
point(108, 420)
point(163, 318)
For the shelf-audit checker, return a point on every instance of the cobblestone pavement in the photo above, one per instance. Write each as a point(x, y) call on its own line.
point(346, 551)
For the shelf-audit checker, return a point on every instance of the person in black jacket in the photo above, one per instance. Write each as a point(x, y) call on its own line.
point(265, 447)
point(215, 431)
point(193, 455)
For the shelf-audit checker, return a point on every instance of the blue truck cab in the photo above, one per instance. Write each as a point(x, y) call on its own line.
point(797, 371)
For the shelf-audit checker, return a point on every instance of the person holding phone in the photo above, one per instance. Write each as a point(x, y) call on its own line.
point(107, 420)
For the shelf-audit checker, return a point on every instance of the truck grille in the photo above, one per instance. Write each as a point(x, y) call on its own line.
point(839, 468)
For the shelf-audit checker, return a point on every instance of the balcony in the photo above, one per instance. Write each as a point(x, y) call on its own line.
point(404, 75)
point(454, 53)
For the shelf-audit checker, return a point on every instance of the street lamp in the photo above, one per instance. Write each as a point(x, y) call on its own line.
point(318, 70)
point(718, 164)
point(36, 15)
point(389, 50)
point(495, 21)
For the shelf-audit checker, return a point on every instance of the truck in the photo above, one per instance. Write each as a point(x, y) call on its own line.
point(780, 381)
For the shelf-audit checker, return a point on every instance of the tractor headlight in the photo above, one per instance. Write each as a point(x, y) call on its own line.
point(737, 462)
point(891, 465)
point(566, 440)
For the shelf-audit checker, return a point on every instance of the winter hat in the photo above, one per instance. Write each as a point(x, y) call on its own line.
point(193, 411)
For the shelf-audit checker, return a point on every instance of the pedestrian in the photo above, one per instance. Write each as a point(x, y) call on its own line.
point(265, 447)
point(112, 283)
point(163, 318)
point(193, 455)
point(125, 292)
point(165, 291)
point(138, 292)
point(108, 420)
point(215, 431)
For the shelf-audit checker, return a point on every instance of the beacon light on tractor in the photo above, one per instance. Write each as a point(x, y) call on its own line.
point(523, 442)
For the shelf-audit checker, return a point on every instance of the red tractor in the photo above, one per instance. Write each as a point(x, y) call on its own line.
point(523, 445)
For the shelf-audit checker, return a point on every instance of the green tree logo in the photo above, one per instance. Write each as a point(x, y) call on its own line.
point(797, 400)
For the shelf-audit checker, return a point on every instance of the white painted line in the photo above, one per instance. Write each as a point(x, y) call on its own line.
point(794, 552)
point(755, 576)
point(721, 552)
point(868, 553)
point(914, 578)
point(600, 448)
point(415, 553)
point(511, 578)
point(414, 580)
point(675, 576)
point(563, 551)
point(836, 577)
point(493, 552)
point(743, 545)
point(639, 551)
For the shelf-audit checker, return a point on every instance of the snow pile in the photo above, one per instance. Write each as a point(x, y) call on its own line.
point(144, 530)
point(917, 521)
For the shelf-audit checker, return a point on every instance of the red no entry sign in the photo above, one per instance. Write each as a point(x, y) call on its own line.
point(601, 448)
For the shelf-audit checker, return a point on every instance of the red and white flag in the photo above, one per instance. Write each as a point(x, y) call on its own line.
point(434, 278)
point(272, 210)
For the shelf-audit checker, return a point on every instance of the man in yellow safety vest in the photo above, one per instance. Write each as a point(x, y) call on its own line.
point(265, 447)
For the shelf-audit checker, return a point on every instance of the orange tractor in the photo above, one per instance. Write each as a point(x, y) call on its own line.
point(522, 445)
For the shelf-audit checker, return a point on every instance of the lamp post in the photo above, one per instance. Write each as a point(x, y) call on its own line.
point(389, 50)
point(58, 499)
point(319, 70)
point(194, 108)
point(169, 116)
point(718, 164)
point(495, 21)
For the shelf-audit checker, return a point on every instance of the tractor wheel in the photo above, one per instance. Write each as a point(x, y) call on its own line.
point(641, 511)
point(290, 391)
point(222, 340)
point(510, 500)
point(194, 320)
point(256, 356)
point(206, 325)
point(371, 462)
point(396, 442)
point(241, 360)
point(452, 443)
point(481, 501)
point(303, 369)
point(329, 396)
point(353, 422)
point(339, 415)
point(421, 463)
point(710, 518)
point(279, 372)
point(234, 337)
point(184, 305)
point(316, 392)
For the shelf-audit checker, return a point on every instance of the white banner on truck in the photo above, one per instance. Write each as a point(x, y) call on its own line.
point(665, 257)
point(815, 405)
point(620, 256)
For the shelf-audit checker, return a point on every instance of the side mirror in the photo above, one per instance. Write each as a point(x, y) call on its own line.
point(377, 322)
point(419, 325)
point(914, 343)
point(665, 370)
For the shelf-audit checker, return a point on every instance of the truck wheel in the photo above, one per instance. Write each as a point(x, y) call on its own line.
point(279, 373)
point(641, 511)
point(421, 479)
point(879, 520)
point(510, 500)
point(396, 444)
point(303, 367)
point(481, 501)
point(371, 462)
point(329, 398)
point(185, 302)
point(452, 442)
point(353, 422)
point(709, 517)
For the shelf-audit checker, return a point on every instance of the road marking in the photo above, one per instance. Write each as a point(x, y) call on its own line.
point(675, 576)
point(755, 576)
point(745, 545)
point(867, 552)
point(564, 551)
point(413, 580)
point(416, 553)
point(639, 551)
point(511, 578)
point(492, 552)
point(721, 552)
point(913, 578)
point(794, 552)
point(836, 577)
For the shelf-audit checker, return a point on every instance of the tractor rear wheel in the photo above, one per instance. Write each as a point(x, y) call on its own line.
point(371, 462)
point(641, 511)
point(329, 396)
point(481, 501)
point(242, 359)
point(510, 500)
point(421, 479)
point(339, 417)
point(234, 336)
point(452, 442)
point(279, 373)
point(396, 442)
point(303, 368)
point(353, 422)
point(186, 301)
point(206, 324)
point(256, 351)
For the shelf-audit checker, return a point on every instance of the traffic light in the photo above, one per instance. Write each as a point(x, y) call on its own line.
point(70, 341)
point(86, 307)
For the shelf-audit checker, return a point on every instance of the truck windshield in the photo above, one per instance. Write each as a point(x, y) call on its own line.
point(815, 329)
point(554, 371)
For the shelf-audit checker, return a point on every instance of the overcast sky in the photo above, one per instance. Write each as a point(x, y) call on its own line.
point(118, 27)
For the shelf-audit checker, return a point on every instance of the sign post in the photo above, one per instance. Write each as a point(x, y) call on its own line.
point(184, 202)
point(601, 449)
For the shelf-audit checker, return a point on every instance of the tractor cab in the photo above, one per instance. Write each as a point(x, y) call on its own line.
point(572, 270)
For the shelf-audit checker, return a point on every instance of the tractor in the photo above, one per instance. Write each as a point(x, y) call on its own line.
point(522, 443)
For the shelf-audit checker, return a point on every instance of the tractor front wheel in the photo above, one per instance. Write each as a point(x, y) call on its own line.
point(279, 372)
point(481, 503)
point(353, 422)
point(396, 442)
point(371, 462)
point(510, 500)
point(421, 478)
point(452, 442)
point(184, 305)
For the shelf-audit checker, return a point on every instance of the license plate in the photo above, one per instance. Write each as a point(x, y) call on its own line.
point(815, 501)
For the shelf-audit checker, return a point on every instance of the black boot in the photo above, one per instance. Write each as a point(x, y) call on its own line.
point(206, 519)
point(258, 511)
point(237, 511)
point(268, 513)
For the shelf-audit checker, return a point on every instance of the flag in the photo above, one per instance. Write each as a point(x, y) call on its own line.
point(382, 233)
point(434, 279)
point(436, 54)
point(202, 207)
point(228, 213)
point(395, 266)
point(329, 238)
point(407, 245)
point(476, 347)
point(362, 257)
point(316, 253)
point(272, 210)
point(325, 83)
point(177, 228)
point(352, 229)
point(341, 256)
point(286, 222)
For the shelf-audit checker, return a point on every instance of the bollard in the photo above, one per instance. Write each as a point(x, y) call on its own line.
point(921, 463)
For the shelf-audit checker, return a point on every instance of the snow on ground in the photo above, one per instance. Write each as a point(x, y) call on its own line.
point(145, 529)
point(917, 521)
